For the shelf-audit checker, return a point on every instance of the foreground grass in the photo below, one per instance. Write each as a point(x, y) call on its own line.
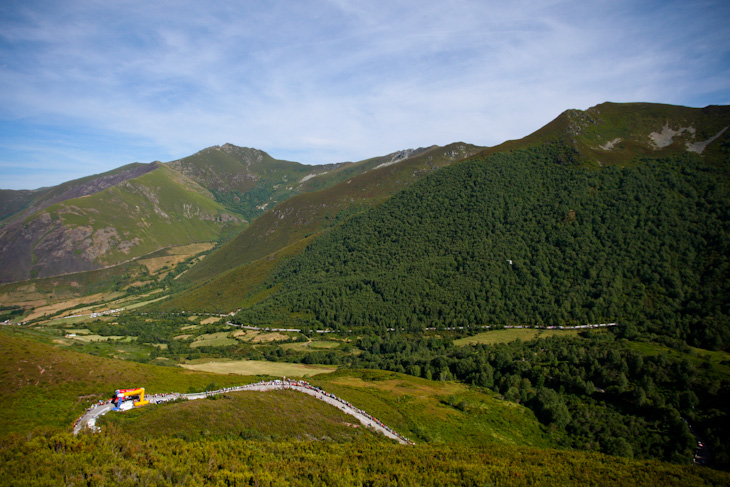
point(45, 385)
point(116, 458)
point(437, 412)
point(266, 416)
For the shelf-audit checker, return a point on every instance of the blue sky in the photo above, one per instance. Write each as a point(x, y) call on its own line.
point(87, 86)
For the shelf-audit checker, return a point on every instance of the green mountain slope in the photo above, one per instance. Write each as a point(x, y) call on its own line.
point(249, 181)
point(618, 133)
point(308, 214)
point(525, 238)
point(15, 205)
point(135, 217)
point(45, 385)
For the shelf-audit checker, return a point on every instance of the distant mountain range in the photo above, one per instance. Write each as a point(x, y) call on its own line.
point(326, 245)
point(106, 219)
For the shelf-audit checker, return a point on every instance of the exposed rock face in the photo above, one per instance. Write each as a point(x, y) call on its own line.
point(699, 147)
point(665, 138)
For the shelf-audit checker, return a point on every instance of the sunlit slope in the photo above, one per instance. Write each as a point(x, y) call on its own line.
point(250, 181)
point(263, 416)
point(522, 238)
point(437, 412)
point(618, 133)
point(137, 216)
point(47, 385)
point(44, 385)
point(231, 290)
point(308, 214)
point(16, 205)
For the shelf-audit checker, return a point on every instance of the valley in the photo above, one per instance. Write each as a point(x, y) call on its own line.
point(552, 309)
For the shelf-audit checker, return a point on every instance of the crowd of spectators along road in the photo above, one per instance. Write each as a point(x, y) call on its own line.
point(276, 384)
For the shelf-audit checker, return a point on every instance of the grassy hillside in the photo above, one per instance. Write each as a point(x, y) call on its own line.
point(281, 438)
point(231, 290)
point(263, 416)
point(619, 133)
point(308, 214)
point(249, 181)
point(16, 205)
point(136, 217)
point(49, 386)
point(437, 412)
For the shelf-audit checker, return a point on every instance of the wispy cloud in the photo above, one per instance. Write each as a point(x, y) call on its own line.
point(93, 85)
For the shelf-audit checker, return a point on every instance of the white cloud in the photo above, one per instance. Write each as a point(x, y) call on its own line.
point(333, 81)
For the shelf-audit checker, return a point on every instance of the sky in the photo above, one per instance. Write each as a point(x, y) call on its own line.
point(88, 86)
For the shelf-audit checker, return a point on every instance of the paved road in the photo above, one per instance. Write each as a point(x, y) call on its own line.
point(484, 327)
point(88, 420)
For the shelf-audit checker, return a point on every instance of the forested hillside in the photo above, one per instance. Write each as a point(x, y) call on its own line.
point(308, 214)
point(524, 238)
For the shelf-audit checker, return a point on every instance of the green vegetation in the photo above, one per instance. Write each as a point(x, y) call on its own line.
point(136, 217)
point(219, 339)
point(436, 412)
point(595, 218)
point(113, 457)
point(508, 335)
point(520, 239)
point(643, 400)
point(48, 386)
point(285, 229)
point(263, 416)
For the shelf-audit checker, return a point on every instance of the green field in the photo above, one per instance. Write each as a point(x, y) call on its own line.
point(220, 339)
point(314, 345)
point(509, 335)
point(260, 367)
point(99, 338)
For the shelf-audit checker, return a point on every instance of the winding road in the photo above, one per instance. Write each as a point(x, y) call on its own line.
point(88, 419)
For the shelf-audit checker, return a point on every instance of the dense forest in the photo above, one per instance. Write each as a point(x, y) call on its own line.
point(527, 237)
point(643, 396)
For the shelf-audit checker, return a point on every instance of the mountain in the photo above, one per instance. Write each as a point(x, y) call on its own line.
point(620, 133)
point(311, 213)
point(15, 205)
point(128, 218)
point(106, 219)
point(545, 234)
point(250, 181)
point(618, 213)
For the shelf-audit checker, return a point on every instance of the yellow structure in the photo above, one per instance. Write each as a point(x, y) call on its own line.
point(122, 394)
